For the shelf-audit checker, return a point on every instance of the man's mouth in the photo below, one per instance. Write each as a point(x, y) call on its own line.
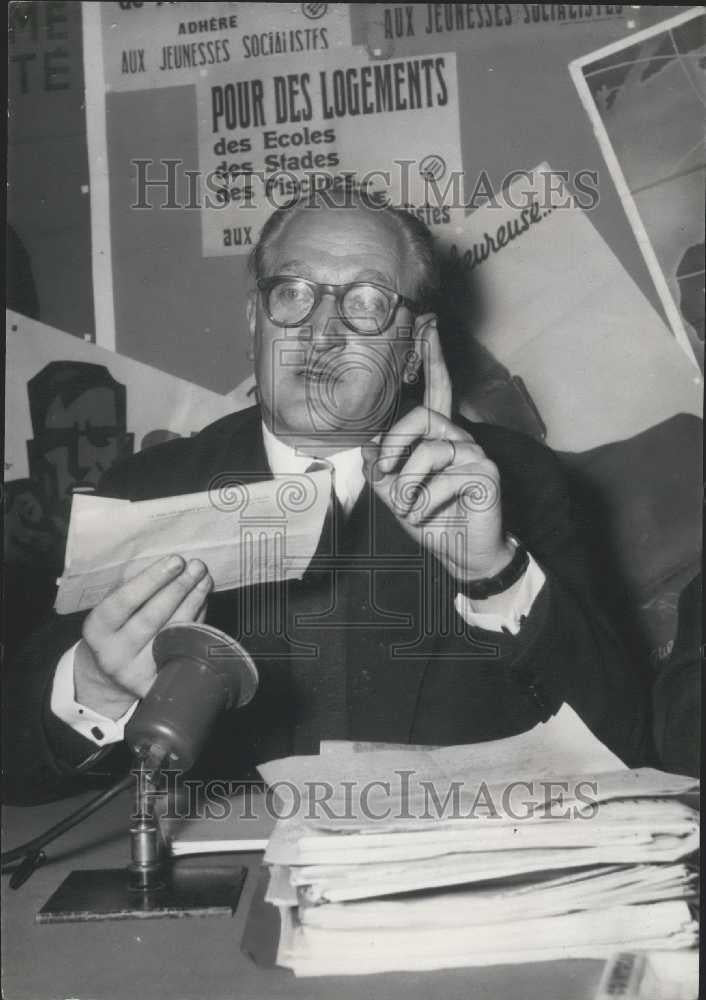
point(314, 374)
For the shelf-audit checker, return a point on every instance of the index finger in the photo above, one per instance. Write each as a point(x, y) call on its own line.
point(123, 602)
point(398, 441)
point(437, 382)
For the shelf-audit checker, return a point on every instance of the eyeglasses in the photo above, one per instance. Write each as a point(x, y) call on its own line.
point(365, 308)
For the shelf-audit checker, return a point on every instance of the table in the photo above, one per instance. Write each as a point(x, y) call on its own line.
point(199, 957)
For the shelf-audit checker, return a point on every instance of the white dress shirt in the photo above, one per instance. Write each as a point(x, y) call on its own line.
point(500, 612)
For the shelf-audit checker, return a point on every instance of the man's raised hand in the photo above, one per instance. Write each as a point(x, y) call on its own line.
point(438, 482)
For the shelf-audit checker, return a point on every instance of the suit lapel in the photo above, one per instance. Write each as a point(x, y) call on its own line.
point(237, 454)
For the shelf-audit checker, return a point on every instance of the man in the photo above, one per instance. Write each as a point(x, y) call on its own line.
point(79, 423)
point(78, 413)
point(448, 600)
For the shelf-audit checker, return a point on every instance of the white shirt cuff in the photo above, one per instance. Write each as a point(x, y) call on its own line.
point(504, 611)
point(95, 727)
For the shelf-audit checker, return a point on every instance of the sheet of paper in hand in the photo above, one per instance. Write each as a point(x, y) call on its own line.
point(246, 533)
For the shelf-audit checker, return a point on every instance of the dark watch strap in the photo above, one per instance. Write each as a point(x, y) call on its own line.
point(477, 590)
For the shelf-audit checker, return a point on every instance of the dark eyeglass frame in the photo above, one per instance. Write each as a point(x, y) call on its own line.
point(265, 285)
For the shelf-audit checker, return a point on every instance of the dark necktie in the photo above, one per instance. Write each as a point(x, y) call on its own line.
point(319, 680)
point(335, 516)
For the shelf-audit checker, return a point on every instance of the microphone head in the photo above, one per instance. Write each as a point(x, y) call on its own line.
point(222, 654)
point(201, 672)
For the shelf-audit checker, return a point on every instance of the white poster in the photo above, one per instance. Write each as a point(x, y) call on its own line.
point(560, 311)
point(158, 405)
point(645, 97)
point(275, 133)
point(147, 45)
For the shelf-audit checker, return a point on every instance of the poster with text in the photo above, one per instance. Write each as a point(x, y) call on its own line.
point(389, 127)
point(535, 286)
point(147, 45)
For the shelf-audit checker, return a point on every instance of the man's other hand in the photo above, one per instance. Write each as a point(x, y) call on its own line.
point(113, 664)
point(444, 490)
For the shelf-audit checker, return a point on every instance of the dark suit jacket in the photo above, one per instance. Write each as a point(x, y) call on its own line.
point(368, 647)
point(677, 690)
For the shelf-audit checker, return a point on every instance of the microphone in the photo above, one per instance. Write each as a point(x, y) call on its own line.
point(201, 671)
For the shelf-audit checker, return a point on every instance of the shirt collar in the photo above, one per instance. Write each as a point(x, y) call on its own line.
point(348, 466)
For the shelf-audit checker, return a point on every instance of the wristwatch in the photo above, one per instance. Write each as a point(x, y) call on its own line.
point(478, 590)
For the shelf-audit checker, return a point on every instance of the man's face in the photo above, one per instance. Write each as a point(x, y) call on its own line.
point(322, 386)
point(81, 441)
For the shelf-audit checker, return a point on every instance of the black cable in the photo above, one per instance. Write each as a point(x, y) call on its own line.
point(33, 846)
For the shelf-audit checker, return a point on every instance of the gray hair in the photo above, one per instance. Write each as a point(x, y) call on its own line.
point(418, 239)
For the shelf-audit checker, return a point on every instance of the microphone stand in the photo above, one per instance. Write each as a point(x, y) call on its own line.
point(201, 672)
point(146, 869)
point(153, 884)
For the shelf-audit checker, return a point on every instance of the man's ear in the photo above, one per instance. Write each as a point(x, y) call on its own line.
point(251, 311)
point(414, 359)
point(421, 322)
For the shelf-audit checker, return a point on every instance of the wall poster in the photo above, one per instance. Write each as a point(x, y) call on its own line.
point(645, 97)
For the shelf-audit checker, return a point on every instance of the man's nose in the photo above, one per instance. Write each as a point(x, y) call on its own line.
point(327, 328)
point(86, 457)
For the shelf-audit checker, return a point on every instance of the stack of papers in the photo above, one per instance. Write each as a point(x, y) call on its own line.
point(240, 823)
point(576, 865)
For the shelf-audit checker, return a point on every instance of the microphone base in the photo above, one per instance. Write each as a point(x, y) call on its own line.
point(197, 886)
